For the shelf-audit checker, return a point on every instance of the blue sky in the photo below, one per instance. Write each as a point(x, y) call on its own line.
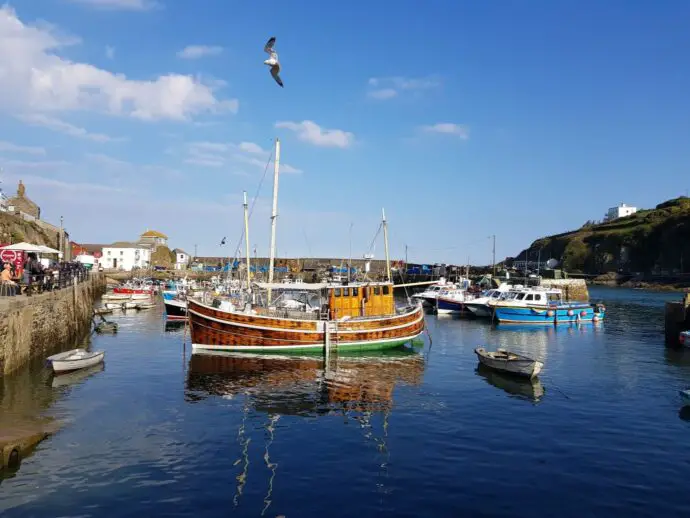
point(462, 119)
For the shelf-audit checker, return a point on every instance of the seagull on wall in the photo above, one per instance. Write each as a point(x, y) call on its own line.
point(272, 61)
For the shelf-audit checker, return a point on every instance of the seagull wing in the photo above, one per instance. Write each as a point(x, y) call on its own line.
point(275, 70)
point(269, 45)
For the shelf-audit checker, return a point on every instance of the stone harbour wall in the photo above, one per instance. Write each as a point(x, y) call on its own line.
point(35, 327)
point(573, 289)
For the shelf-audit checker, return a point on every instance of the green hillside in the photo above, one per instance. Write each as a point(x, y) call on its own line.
point(650, 241)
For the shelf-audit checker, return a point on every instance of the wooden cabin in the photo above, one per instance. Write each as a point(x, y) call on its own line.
point(361, 300)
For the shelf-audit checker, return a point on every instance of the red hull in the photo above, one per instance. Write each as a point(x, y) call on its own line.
point(132, 291)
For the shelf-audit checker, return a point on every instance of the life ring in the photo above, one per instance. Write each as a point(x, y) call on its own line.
point(549, 313)
point(570, 313)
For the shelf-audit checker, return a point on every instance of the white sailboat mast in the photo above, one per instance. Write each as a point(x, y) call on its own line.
point(246, 240)
point(385, 240)
point(274, 216)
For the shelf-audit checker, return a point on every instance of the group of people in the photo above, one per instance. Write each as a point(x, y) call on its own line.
point(33, 276)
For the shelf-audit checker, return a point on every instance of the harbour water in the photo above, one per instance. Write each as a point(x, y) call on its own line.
point(422, 432)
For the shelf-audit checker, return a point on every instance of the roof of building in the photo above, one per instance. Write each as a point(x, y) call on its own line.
point(154, 233)
point(127, 244)
point(179, 251)
point(89, 247)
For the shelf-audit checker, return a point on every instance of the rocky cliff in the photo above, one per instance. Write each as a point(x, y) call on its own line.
point(654, 241)
point(14, 229)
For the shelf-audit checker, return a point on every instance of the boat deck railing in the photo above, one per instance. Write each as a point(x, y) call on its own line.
point(286, 313)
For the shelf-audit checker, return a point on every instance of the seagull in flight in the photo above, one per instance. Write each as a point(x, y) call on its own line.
point(272, 61)
point(222, 242)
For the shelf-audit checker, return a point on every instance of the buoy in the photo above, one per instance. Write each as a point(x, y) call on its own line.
point(549, 313)
point(595, 318)
point(583, 313)
point(570, 313)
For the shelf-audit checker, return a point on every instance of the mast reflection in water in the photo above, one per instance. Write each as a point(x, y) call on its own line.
point(355, 386)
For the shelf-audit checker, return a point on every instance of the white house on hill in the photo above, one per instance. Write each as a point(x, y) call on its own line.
point(126, 256)
point(621, 211)
point(181, 259)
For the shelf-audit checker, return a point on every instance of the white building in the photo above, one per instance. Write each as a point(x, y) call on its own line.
point(181, 259)
point(126, 256)
point(621, 211)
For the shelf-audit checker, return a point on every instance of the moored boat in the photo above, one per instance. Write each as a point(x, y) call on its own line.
point(175, 308)
point(684, 338)
point(359, 316)
point(479, 307)
point(74, 360)
point(544, 306)
point(509, 362)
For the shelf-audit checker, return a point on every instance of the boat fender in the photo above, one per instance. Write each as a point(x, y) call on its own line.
point(583, 314)
point(550, 313)
point(570, 313)
point(595, 318)
point(14, 459)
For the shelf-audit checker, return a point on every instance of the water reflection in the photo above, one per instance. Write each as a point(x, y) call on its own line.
point(76, 377)
point(527, 389)
point(354, 386)
point(174, 326)
point(305, 385)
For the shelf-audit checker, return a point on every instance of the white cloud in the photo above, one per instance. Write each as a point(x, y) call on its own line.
point(51, 123)
point(9, 147)
point(44, 164)
point(218, 154)
point(123, 5)
point(309, 131)
point(383, 93)
point(109, 52)
point(448, 128)
point(252, 148)
point(34, 79)
point(384, 88)
point(199, 51)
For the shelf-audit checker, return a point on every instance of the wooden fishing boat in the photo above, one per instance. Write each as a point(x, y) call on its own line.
point(74, 360)
point(509, 362)
point(360, 316)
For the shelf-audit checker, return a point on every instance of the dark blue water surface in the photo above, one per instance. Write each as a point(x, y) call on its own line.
point(159, 432)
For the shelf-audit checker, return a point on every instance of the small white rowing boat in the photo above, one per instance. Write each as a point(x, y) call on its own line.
point(506, 361)
point(74, 360)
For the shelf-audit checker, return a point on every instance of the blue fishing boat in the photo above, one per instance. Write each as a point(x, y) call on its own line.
point(544, 306)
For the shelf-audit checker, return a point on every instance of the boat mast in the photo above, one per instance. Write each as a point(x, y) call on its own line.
point(385, 240)
point(246, 241)
point(274, 217)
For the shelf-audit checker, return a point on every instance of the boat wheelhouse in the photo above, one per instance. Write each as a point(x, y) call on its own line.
point(302, 317)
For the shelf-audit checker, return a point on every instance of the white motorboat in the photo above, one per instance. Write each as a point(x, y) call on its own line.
point(430, 295)
point(685, 394)
point(481, 307)
point(506, 361)
point(74, 360)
